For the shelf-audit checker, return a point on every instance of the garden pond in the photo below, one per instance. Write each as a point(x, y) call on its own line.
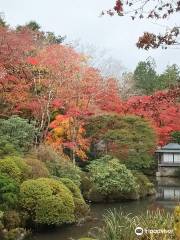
point(167, 197)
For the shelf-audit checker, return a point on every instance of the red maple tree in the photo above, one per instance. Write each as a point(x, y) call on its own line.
point(161, 108)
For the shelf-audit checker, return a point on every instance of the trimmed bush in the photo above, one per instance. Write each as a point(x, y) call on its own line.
point(81, 208)
point(47, 201)
point(9, 169)
point(15, 167)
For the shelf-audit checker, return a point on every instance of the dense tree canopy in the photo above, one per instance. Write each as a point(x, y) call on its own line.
point(125, 137)
point(147, 80)
point(145, 77)
point(18, 132)
point(161, 108)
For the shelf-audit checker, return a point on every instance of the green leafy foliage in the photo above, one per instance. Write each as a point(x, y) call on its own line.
point(176, 137)
point(6, 148)
point(2, 21)
point(9, 169)
point(145, 187)
point(47, 201)
point(110, 177)
point(148, 81)
point(170, 77)
point(9, 191)
point(81, 208)
point(15, 168)
point(129, 138)
point(34, 26)
point(18, 132)
point(145, 76)
point(57, 165)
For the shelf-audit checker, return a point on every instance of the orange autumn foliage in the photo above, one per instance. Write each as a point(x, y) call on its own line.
point(61, 133)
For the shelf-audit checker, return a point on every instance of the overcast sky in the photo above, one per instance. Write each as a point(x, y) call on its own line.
point(79, 20)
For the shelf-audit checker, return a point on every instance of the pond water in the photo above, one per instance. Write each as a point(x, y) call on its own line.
point(167, 197)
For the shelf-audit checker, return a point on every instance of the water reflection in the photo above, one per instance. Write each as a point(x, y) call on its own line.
point(168, 191)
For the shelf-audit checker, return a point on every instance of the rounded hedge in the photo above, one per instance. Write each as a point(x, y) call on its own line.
point(10, 169)
point(15, 168)
point(81, 208)
point(47, 201)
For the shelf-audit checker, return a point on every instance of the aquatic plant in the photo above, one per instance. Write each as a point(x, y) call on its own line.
point(153, 225)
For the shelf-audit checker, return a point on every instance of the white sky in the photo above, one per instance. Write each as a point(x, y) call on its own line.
point(79, 19)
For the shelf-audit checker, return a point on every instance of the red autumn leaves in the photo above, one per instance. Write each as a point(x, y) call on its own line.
point(41, 82)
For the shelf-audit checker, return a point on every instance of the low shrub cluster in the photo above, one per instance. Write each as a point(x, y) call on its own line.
point(47, 201)
point(108, 179)
point(36, 188)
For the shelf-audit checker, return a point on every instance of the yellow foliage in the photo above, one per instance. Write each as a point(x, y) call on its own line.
point(59, 131)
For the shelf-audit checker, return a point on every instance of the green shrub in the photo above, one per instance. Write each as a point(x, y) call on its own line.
point(6, 148)
point(38, 168)
point(18, 132)
point(111, 178)
point(15, 167)
point(145, 187)
point(10, 169)
point(9, 191)
point(47, 201)
point(57, 165)
point(138, 161)
point(81, 208)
